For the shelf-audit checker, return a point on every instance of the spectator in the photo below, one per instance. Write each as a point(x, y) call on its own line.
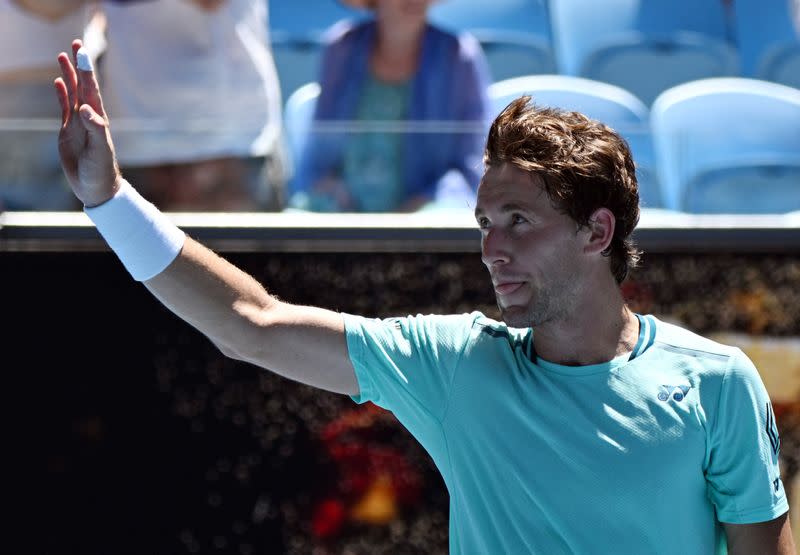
point(208, 57)
point(394, 68)
point(30, 172)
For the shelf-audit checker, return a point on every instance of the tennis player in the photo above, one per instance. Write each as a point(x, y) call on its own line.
point(573, 426)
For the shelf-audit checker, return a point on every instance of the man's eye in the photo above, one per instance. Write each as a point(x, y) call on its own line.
point(483, 223)
point(517, 219)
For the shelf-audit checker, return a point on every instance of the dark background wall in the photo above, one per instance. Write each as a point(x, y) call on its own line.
point(130, 433)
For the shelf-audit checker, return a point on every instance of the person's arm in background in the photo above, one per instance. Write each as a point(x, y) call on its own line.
point(768, 538)
point(231, 308)
point(51, 9)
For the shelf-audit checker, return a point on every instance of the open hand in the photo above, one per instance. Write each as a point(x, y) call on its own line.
point(84, 142)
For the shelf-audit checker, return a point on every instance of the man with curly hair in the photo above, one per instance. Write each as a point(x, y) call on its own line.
point(573, 426)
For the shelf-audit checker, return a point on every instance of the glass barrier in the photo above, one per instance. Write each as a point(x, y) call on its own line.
point(376, 167)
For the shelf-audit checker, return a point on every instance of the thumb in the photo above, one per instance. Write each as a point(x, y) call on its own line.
point(92, 121)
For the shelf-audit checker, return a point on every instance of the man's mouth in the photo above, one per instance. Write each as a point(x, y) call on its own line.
point(508, 287)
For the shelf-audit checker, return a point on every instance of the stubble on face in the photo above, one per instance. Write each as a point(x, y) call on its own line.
point(549, 301)
point(543, 254)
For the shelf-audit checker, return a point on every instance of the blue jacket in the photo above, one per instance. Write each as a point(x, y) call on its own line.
point(450, 85)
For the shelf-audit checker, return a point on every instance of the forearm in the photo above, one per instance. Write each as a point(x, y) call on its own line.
point(212, 295)
point(236, 313)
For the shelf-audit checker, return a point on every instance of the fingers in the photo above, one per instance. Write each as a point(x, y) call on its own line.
point(70, 79)
point(89, 89)
point(93, 122)
point(80, 81)
point(76, 45)
point(63, 100)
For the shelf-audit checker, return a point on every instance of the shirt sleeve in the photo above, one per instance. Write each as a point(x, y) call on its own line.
point(743, 473)
point(406, 365)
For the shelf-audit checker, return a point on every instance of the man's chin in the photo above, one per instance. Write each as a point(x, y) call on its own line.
point(515, 316)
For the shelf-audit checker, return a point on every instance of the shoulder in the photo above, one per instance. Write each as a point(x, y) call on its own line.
point(714, 363)
point(419, 326)
point(484, 328)
point(464, 44)
point(346, 31)
point(343, 64)
point(681, 341)
point(445, 323)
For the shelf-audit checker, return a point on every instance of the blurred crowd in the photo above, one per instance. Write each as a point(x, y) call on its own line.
point(207, 113)
point(194, 99)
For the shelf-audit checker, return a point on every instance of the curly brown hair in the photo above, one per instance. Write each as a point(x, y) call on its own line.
point(584, 165)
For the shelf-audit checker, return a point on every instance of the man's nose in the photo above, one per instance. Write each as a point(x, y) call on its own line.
point(495, 247)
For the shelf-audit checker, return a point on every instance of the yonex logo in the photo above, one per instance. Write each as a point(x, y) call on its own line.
point(677, 392)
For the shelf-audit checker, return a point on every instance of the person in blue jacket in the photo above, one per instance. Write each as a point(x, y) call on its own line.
point(401, 117)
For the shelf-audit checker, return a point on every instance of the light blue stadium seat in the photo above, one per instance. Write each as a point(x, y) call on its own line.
point(514, 34)
point(520, 16)
point(510, 54)
point(767, 40)
point(616, 107)
point(306, 18)
point(297, 29)
point(729, 145)
point(644, 46)
point(781, 64)
point(298, 114)
point(296, 60)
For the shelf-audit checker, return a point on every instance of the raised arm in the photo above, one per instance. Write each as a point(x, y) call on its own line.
point(231, 308)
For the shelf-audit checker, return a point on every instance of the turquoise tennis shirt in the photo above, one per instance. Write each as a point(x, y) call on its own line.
point(647, 453)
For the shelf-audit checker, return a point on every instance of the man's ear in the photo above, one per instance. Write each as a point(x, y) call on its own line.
point(600, 231)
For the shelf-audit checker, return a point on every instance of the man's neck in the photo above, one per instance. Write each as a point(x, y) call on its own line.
point(596, 332)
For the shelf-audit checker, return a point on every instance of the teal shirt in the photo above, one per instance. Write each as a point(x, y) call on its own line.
point(373, 159)
point(647, 453)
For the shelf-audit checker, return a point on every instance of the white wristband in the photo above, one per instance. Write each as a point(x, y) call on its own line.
point(145, 240)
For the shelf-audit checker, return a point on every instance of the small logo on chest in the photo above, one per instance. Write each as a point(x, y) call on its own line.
point(677, 392)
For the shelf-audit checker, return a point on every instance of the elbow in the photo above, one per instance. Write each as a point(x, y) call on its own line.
point(227, 350)
point(246, 338)
point(240, 352)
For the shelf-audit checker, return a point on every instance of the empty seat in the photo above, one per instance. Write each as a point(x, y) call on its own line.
point(729, 146)
point(511, 54)
point(781, 64)
point(769, 43)
point(520, 16)
point(306, 19)
point(642, 46)
point(298, 114)
point(297, 61)
point(514, 34)
point(615, 107)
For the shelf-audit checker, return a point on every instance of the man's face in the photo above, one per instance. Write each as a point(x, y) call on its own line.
point(532, 251)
